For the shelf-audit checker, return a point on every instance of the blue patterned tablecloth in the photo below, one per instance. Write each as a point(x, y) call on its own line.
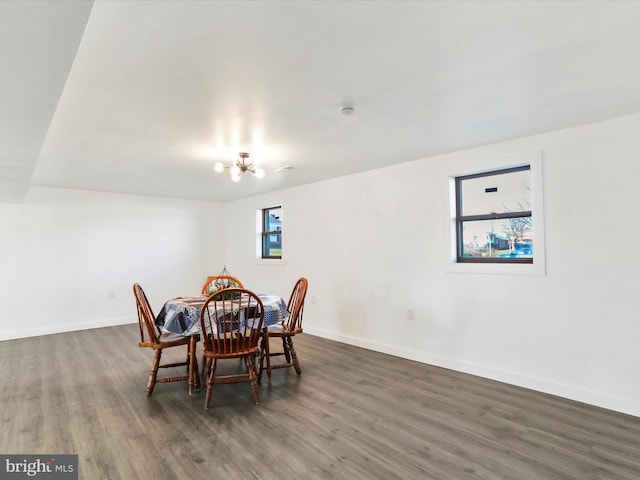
point(182, 315)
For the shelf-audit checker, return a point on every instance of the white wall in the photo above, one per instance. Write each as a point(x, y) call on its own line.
point(69, 257)
point(372, 245)
point(375, 244)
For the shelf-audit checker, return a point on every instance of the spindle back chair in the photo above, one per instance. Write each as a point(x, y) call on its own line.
point(221, 282)
point(291, 327)
point(152, 337)
point(231, 325)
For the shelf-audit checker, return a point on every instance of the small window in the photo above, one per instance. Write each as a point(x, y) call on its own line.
point(493, 216)
point(272, 232)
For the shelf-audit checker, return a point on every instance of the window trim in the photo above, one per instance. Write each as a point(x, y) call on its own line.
point(460, 219)
point(538, 267)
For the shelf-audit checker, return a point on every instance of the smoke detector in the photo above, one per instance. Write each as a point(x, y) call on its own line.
point(347, 109)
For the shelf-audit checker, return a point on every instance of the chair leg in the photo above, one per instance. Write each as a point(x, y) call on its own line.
point(287, 355)
point(261, 357)
point(294, 356)
point(196, 374)
point(210, 377)
point(154, 371)
point(267, 354)
point(194, 377)
point(204, 364)
point(249, 361)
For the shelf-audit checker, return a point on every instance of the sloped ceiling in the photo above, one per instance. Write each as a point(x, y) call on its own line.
point(158, 91)
point(38, 42)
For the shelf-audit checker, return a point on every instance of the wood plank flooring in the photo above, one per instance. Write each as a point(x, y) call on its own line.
point(353, 414)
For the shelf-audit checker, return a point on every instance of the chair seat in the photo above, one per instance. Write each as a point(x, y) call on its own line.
point(175, 337)
point(279, 330)
point(236, 354)
point(168, 340)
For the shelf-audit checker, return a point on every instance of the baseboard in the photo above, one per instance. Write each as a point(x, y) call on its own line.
point(62, 328)
point(571, 392)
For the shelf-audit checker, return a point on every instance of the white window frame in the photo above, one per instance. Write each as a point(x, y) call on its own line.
point(538, 267)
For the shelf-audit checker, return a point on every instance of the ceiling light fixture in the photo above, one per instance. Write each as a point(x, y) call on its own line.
point(239, 166)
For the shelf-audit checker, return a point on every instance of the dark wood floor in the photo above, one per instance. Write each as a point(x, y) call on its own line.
point(353, 414)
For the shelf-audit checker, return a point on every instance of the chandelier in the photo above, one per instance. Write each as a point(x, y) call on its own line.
point(239, 166)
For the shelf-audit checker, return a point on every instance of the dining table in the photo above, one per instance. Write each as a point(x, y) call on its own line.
point(181, 315)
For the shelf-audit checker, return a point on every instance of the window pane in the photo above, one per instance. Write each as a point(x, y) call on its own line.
point(272, 242)
point(272, 246)
point(504, 238)
point(503, 193)
point(272, 220)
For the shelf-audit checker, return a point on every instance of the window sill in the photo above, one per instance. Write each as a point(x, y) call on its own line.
point(497, 268)
point(273, 262)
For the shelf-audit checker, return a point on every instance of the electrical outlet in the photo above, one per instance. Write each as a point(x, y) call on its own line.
point(313, 300)
point(410, 314)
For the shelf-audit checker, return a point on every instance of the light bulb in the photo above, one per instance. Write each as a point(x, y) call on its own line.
point(234, 170)
point(259, 172)
point(218, 167)
point(235, 177)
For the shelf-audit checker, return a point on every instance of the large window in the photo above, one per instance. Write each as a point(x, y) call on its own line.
point(272, 232)
point(494, 216)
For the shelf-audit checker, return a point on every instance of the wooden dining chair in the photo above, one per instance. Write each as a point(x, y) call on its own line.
point(221, 281)
point(286, 330)
point(231, 325)
point(152, 337)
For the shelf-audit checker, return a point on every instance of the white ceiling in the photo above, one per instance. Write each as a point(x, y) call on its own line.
point(152, 93)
